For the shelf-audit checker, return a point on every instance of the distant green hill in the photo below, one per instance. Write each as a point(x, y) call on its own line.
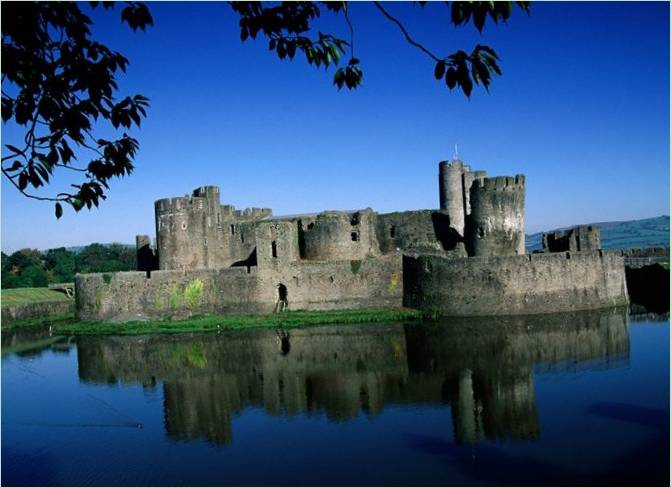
point(623, 235)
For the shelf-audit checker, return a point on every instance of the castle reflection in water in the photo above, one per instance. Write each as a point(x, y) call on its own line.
point(481, 367)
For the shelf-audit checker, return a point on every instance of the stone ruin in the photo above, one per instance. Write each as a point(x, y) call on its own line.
point(466, 257)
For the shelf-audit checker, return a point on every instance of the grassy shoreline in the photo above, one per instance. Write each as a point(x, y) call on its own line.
point(213, 323)
point(26, 301)
point(54, 320)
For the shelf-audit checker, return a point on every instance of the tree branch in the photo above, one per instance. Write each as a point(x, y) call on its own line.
point(405, 32)
point(7, 158)
point(61, 165)
point(35, 197)
point(351, 30)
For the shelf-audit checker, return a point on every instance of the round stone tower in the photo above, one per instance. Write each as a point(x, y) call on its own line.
point(341, 236)
point(451, 188)
point(496, 223)
point(181, 232)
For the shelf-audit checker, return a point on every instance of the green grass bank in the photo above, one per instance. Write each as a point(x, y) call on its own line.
point(23, 296)
point(213, 323)
point(32, 307)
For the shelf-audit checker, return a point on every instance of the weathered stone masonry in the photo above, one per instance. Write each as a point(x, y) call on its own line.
point(465, 258)
point(528, 284)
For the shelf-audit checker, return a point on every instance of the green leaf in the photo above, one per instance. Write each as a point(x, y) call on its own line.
point(466, 85)
point(451, 78)
point(77, 204)
point(487, 50)
point(439, 70)
point(15, 166)
point(23, 181)
point(52, 157)
point(59, 210)
point(479, 16)
point(457, 13)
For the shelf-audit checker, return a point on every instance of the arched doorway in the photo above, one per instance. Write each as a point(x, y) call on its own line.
point(282, 292)
point(282, 297)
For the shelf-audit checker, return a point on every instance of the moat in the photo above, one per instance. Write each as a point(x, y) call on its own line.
point(564, 399)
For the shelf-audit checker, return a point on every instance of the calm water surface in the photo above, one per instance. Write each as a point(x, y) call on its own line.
point(568, 399)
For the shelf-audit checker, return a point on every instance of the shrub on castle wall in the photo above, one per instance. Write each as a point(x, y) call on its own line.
point(394, 281)
point(193, 293)
point(175, 297)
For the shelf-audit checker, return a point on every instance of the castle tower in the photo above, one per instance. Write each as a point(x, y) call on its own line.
point(276, 243)
point(469, 178)
point(341, 236)
point(451, 188)
point(213, 200)
point(181, 232)
point(496, 224)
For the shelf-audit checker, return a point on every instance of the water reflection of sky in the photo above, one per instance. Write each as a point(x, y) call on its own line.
point(562, 400)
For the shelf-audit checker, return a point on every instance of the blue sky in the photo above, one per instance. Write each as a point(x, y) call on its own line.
point(582, 109)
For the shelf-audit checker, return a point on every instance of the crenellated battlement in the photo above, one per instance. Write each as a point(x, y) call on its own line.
point(253, 213)
point(454, 164)
point(208, 191)
point(500, 183)
point(179, 204)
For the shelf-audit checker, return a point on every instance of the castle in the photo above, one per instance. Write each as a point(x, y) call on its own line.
point(466, 258)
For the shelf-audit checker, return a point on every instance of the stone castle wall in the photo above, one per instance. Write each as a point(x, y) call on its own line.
point(124, 296)
point(530, 284)
point(418, 231)
point(347, 284)
point(580, 238)
point(132, 295)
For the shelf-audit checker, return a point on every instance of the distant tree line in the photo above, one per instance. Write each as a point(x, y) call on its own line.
point(34, 268)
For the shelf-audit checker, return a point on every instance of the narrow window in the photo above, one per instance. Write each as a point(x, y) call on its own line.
point(274, 247)
point(232, 229)
point(355, 236)
point(392, 231)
